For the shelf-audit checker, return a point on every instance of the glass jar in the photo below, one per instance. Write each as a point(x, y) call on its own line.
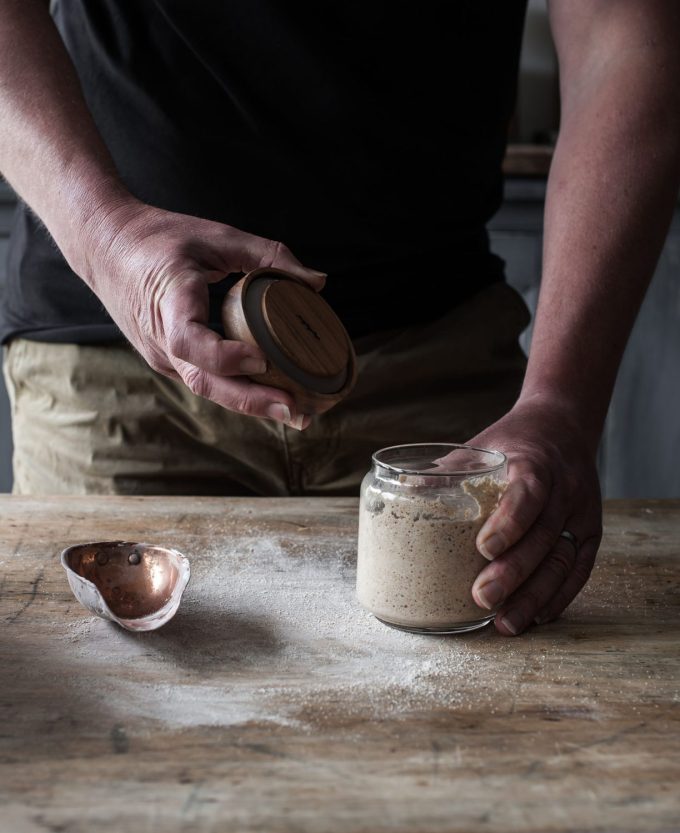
point(421, 509)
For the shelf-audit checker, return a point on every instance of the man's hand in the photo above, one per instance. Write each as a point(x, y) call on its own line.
point(552, 485)
point(612, 187)
point(151, 269)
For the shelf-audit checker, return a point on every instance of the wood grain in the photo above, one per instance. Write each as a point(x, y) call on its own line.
point(337, 351)
point(306, 329)
point(272, 702)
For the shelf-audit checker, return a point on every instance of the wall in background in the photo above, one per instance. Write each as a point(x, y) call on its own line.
point(537, 111)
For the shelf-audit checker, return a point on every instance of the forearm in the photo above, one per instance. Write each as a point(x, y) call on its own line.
point(50, 150)
point(611, 192)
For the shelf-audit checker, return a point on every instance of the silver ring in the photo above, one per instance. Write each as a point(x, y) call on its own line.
point(573, 540)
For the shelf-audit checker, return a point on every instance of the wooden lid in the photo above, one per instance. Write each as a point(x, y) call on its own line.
point(305, 328)
point(309, 352)
point(297, 330)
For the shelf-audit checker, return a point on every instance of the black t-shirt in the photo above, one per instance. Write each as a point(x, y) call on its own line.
point(367, 136)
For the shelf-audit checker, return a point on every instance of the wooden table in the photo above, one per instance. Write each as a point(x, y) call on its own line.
point(273, 702)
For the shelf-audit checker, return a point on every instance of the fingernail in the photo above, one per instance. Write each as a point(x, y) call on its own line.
point(319, 274)
point(492, 546)
point(253, 365)
point(513, 621)
point(279, 411)
point(490, 594)
point(298, 422)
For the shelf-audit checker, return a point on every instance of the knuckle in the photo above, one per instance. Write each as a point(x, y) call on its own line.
point(512, 572)
point(537, 486)
point(522, 506)
point(245, 403)
point(514, 526)
point(572, 482)
point(280, 249)
point(276, 251)
point(560, 563)
point(528, 598)
point(198, 382)
point(176, 342)
point(582, 570)
point(544, 537)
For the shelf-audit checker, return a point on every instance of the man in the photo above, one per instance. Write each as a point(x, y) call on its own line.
point(368, 139)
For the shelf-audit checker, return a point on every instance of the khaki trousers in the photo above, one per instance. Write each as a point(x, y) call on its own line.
point(98, 420)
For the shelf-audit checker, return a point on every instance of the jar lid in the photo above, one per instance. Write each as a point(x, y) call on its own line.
point(309, 352)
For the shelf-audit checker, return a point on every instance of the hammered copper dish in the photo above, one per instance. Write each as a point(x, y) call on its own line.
point(138, 586)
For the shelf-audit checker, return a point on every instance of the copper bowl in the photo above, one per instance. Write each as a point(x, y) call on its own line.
point(138, 586)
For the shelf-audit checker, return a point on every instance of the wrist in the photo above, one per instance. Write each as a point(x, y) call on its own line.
point(94, 215)
point(565, 413)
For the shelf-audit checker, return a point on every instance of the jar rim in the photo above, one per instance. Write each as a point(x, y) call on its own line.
point(499, 460)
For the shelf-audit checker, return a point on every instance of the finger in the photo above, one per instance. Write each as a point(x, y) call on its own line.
point(242, 396)
point(461, 459)
point(520, 610)
point(258, 252)
point(505, 574)
point(199, 346)
point(575, 582)
point(521, 504)
point(183, 309)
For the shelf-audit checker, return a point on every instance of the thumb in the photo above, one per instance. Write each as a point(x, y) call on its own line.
point(261, 253)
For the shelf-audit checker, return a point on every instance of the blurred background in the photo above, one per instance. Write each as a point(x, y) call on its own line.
point(640, 450)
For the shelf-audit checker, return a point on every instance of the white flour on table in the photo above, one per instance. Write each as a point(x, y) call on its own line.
point(269, 630)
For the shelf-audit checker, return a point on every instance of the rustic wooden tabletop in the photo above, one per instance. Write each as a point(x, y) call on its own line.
point(273, 702)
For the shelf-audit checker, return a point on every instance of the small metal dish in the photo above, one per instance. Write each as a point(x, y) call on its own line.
point(139, 586)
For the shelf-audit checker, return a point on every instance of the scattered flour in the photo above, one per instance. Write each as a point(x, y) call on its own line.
point(270, 631)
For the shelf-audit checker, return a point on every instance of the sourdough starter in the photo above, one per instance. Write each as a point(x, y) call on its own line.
point(417, 557)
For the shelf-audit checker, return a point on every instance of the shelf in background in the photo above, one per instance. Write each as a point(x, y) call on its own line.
point(527, 160)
